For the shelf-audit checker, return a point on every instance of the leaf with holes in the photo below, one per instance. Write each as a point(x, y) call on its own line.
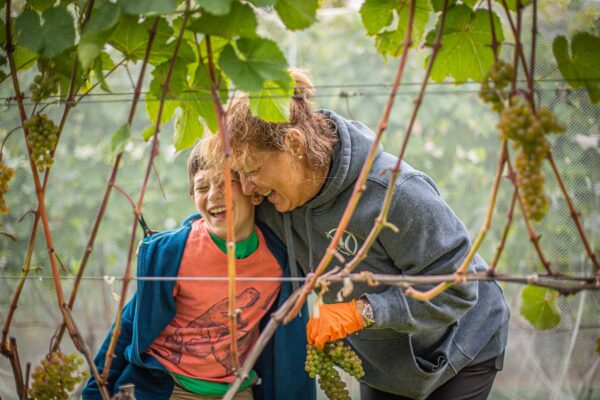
point(539, 307)
point(256, 61)
point(387, 20)
point(466, 52)
point(297, 14)
point(582, 68)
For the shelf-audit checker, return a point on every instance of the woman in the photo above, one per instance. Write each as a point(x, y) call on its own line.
point(448, 348)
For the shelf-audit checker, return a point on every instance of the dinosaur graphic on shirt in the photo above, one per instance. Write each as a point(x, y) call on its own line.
point(210, 328)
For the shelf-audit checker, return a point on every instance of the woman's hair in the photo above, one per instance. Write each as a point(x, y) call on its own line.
point(205, 156)
point(248, 132)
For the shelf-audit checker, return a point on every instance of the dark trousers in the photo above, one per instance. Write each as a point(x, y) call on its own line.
point(473, 382)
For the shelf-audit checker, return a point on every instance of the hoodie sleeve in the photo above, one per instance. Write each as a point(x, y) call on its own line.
point(118, 364)
point(431, 241)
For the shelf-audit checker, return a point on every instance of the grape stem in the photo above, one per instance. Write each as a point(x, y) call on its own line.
point(507, 224)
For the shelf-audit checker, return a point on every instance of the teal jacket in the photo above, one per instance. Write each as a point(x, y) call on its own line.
point(280, 366)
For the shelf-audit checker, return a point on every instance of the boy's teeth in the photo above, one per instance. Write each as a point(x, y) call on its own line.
point(218, 210)
point(267, 193)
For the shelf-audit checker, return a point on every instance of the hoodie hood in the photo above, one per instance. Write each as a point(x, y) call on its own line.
point(349, 156)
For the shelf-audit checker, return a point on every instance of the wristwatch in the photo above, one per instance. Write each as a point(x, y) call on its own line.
point(367, 312)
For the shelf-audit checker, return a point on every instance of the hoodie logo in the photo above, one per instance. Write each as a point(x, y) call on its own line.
point(348, 245)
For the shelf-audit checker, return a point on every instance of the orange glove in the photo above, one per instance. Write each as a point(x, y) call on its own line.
point(335, 321)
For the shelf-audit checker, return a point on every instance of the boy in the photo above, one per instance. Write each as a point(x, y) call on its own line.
point(174, 342)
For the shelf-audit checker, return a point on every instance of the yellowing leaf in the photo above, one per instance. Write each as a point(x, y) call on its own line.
point(539, 307)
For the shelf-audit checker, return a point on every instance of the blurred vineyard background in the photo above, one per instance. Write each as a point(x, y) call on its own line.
point(455, 141)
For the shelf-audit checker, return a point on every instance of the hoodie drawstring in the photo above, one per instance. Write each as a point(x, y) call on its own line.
point(289, 243)
point(307, 226)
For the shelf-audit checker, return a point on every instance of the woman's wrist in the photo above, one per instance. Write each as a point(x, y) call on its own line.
point(364, 309)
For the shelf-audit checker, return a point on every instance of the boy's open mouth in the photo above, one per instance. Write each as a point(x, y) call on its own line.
point(217, 212)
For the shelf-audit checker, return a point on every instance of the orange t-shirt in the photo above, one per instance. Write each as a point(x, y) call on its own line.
point(196, 342)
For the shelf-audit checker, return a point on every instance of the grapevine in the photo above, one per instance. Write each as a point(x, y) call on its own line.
point(42, 138)
point(56, 376)
point(6, 174)
point(322, 361)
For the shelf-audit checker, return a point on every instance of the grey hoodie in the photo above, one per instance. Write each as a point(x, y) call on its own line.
point(414, 346)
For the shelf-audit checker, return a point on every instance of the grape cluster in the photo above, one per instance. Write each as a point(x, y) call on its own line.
point(6, 174)
point(41, 138)
point(43, 86)
point(495, 81)
point(56, 376)
point(527, 130)
point(322, 361)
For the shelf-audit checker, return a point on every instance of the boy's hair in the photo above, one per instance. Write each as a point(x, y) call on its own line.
point(203, 158)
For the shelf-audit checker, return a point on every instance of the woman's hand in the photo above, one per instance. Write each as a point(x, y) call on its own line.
point(335, 321)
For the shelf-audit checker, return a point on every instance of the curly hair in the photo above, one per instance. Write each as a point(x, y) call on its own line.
point(247, 132)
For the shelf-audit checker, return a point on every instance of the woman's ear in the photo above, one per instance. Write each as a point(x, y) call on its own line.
point(294, 143)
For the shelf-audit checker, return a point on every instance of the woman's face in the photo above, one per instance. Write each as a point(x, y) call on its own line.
point(283, 178)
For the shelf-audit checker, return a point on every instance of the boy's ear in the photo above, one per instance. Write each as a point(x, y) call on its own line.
point(257, 199)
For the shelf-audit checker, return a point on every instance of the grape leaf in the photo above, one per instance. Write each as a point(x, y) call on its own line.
point(377, 14)
point(24, 58)
point(2, 33)
point(130, 38)
point(465, 52)
point(582, 69)
point(261, 60)
point(512, 4)
point(470, 3)
point(216, 7)
point(138, 7)
point(240, 21)
point(97, 32)
point(188, 127)
point(176, 87)
point(164, 44)
point(50, 38)
point(120, 139)
point(539, 307)
point(272, 104)
point(297, 14)
point(148, 132)
point(439, 4)
point(40, 5)
point(99, 74)
point(199, 93)
point(263, 3)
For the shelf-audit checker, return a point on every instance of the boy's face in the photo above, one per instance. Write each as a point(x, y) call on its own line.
point(209, 198)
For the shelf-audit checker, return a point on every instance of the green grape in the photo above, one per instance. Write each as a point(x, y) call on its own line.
point(44, 85)
point(56, 376)
point(42, 138)
point(494, 83)
point(6, 174)
point(322, 362)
